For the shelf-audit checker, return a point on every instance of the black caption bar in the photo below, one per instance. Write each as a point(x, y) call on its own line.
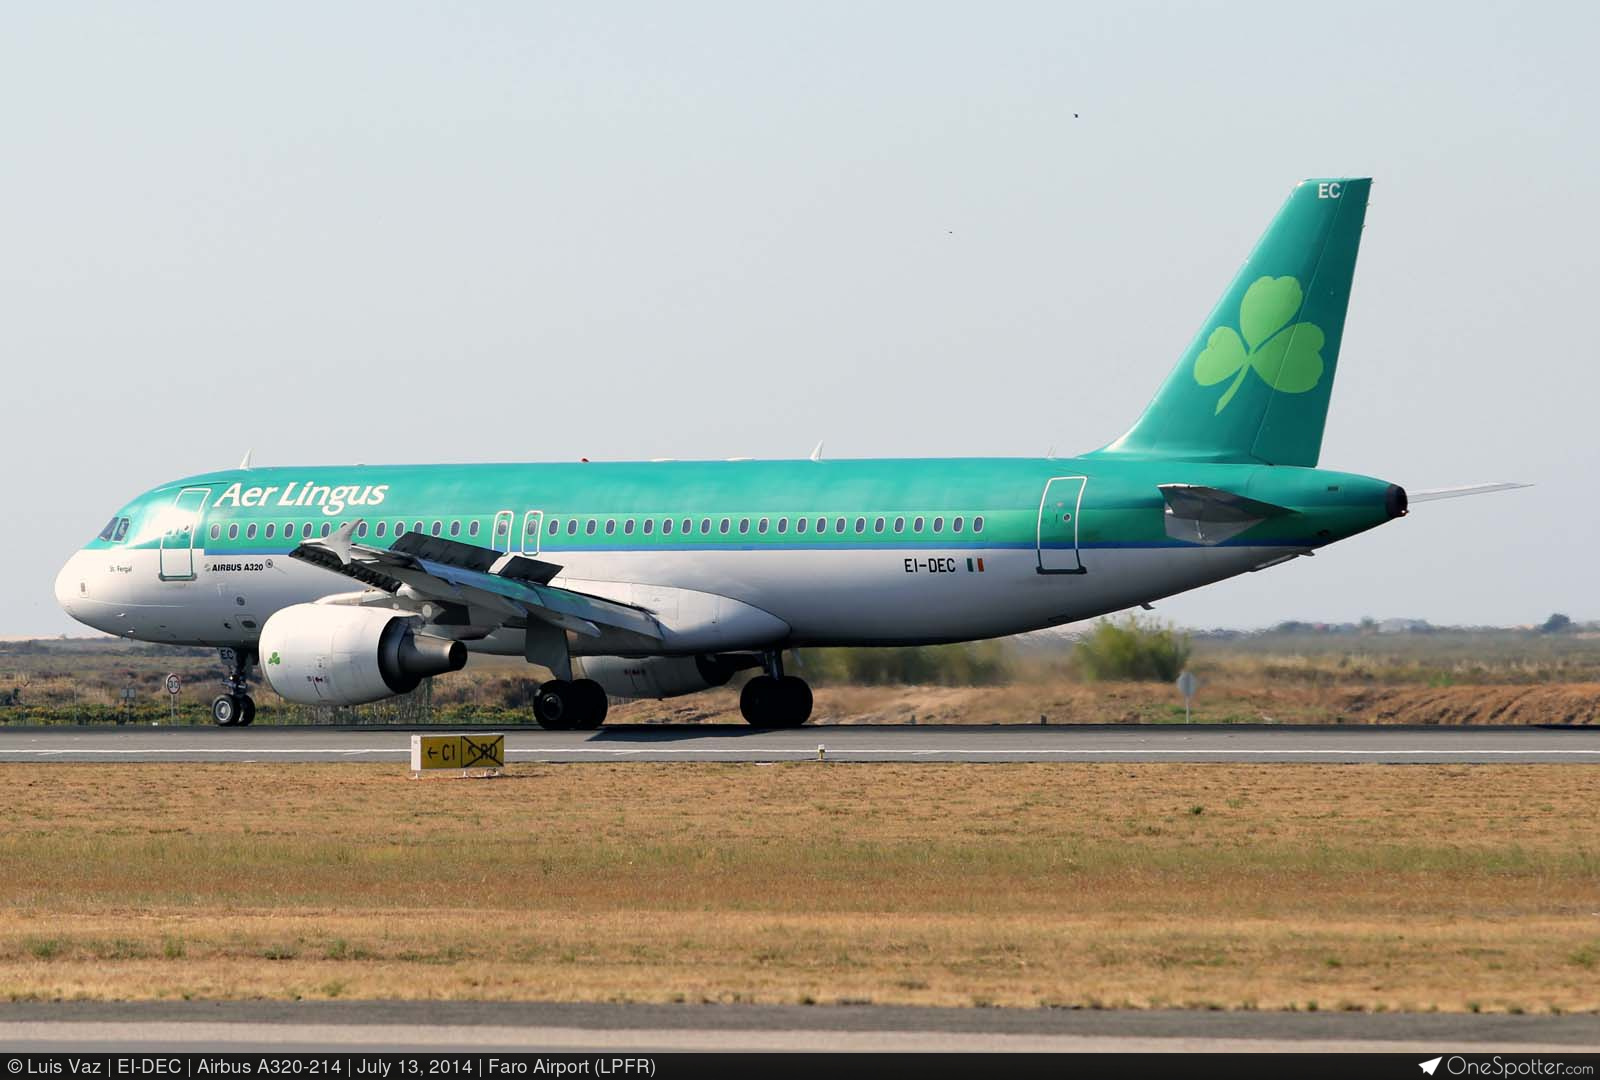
point(490, 1066)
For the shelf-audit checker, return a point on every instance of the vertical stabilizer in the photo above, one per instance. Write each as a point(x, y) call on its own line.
point(1254, 384)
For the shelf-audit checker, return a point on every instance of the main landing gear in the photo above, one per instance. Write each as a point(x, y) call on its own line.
point(579, 705)
point(235, 707)
point(773, 699)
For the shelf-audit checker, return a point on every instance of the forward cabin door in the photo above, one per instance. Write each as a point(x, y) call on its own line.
point(1058, 525)
point(182, 534)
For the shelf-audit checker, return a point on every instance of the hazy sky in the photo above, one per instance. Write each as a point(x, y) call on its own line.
point(392, 233)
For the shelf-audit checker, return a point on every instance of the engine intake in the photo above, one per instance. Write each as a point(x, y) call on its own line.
point(323, 654)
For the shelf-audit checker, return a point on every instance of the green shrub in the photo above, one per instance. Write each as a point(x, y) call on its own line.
point(976, 663)
point(1132, 648)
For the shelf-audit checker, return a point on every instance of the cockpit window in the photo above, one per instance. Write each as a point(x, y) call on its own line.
point(109, 531)
point(115, 532)
point(122, 531)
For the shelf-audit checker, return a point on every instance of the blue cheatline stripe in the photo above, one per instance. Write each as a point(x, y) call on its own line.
point(1018, 545)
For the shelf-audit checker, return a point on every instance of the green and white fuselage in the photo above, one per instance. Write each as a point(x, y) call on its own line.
point(799, 552)
point(354, 582)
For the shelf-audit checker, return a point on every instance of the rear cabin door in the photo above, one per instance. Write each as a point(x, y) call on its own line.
point(1058, 525)
point(182, 534)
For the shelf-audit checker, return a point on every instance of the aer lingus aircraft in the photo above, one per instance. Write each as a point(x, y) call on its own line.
point(351, 584)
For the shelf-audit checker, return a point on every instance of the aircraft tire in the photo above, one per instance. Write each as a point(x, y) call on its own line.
point(556, 706)
point(247, 714)
point(226, 710)
point(766, 702)
point(592, 705)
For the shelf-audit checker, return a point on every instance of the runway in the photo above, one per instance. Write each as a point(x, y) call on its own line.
point(483, 1027)
point(1001, 743)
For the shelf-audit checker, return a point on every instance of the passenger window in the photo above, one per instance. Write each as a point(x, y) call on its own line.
point(472, 529)
point(744, 526)
point(455, 528)
point(686, 527)
point(501, 527)
point(861, 525)
point(649, 523)
point(572, 526)
point(361, 529)
point(799, 525)
point(838, 525)
point(627, 527)
point(822, 525)
point(666, 526)
point(555, 526)
point(977, 523)
point(216, 532)
point(437, 527)
point(705, 526)
point(761, 526)
point(938, 524)
point(877, 525)
point(327, 527)
point(233, 531)
point(955, 525)
point(899, 524)
point(272, 527)
point(611, 526)
point(383, 528)
point(305, 530)
point(250, 533)
point(416, 526)
point(783, 524)
point(916, 526)
point(723, 526)
point(588, 527)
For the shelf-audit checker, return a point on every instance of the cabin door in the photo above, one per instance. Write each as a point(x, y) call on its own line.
point(1058, 525)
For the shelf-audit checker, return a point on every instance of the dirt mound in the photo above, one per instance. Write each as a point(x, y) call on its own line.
point(1559, 703)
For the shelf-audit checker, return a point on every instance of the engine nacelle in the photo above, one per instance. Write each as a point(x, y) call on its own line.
point(326, 654)
point(658, 676)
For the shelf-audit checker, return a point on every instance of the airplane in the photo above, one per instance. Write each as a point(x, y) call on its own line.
point(347, 585)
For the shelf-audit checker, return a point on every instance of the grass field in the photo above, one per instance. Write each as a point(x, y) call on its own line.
point(1447, 677)
point(1206, 886)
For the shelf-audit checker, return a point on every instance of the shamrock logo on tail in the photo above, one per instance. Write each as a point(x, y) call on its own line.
point(1288, 357)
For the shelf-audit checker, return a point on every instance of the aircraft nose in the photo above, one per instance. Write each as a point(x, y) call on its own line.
point(72, 584)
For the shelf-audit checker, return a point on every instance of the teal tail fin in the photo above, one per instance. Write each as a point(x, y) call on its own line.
point(1254, 384)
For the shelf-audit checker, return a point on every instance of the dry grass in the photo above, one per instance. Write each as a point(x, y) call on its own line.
point(1207, 886)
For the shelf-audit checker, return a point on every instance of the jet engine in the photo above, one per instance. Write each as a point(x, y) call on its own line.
point(323, 654)
point(659, 676)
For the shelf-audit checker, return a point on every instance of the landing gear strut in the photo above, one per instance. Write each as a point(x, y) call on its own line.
point(235, 707)
point(773, 699)
point(579, 705)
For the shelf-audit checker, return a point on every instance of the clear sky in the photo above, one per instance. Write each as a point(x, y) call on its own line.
point(413, 232)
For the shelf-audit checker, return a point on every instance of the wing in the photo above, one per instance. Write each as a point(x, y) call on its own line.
point(1459, 492)
point(503, 587)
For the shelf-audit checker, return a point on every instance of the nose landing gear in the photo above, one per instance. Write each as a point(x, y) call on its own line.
point(235, 707)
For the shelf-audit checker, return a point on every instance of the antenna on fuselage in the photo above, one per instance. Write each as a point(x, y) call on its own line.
point(816, 451)
point(244, 462)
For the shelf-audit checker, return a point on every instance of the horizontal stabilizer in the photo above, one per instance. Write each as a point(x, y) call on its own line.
point(1459, 492)
point(1207, 515)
